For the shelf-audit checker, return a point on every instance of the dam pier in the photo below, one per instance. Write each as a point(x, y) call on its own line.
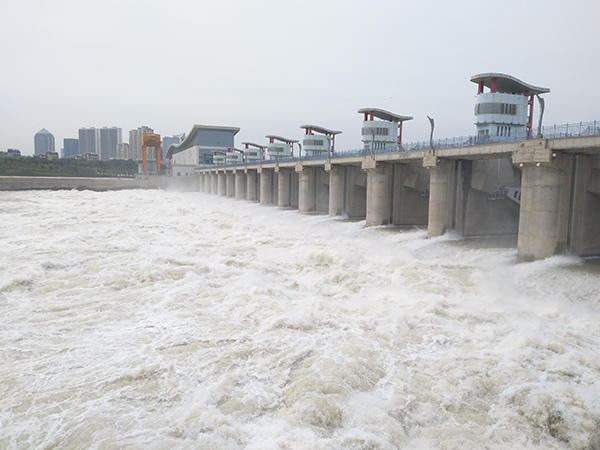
point(545, 191)
point(541, 184)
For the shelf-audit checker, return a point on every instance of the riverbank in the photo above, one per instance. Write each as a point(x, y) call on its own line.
point(97, 184)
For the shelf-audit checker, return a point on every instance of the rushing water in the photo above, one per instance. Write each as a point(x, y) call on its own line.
point(165, 320)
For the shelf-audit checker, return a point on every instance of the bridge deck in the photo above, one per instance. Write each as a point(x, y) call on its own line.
point(575, 144)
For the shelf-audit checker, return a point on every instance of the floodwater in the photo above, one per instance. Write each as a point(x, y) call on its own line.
point(166, 320)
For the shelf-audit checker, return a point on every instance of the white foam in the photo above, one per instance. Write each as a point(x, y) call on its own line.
point(169, 320)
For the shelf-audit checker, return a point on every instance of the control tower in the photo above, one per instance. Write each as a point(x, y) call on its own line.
point(384, 134)
point(506, 110)
point(234, 156)
point(219, 157)
point(318, 144)
point(280, 147)
point(253, 152)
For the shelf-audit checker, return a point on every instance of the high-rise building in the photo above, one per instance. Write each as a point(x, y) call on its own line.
point(109, 139)
point(135, 142)
point(88, 139)
point(70, 147)
point(43, 142)
point(123, 151)
point(102, 141)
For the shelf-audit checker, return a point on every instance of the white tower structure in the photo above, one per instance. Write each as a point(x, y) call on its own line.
point(318, 144)
point(219, 157)
point(234, 156)
point(384, 134)
point(506, 110)
point(253, 152)
point(280, 147)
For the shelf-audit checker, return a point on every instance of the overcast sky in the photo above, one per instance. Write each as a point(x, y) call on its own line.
point(269, 66)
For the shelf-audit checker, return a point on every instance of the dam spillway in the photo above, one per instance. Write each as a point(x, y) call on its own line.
point(444, 189)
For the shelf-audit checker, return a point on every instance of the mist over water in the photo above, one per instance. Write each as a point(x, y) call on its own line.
point(165, 320)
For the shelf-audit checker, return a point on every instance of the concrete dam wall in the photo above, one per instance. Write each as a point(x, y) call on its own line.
point(545, 191)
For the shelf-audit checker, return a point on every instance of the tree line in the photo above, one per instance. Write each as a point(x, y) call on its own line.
point(34, 166)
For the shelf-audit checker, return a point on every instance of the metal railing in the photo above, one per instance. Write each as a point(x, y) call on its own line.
point(572, 129)
point(552, 131)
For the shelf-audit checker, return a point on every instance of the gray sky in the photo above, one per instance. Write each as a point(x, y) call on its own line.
point(269, 66)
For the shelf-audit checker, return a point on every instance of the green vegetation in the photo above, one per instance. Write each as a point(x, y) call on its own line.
point(33, 166)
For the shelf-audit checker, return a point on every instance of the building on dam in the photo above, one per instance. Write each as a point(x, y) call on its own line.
point(200, 147)
point(506, 110)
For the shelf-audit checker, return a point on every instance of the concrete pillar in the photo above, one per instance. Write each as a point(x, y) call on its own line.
point(379, 193)
point(214, 183)
point(306, 190)
point(274, 187)
point(545, 207)
point(294, 188)
point(240, 185)
point(321, 190)
point(201, 186)
point(284, 191)
point(207, 182)
point(229, 184)
point(441, 198)
point(266, 187)
point(337, 190)
point(222, 184)
point(252, 190)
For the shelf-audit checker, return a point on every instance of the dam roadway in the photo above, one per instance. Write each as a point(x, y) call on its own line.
point(554, 184)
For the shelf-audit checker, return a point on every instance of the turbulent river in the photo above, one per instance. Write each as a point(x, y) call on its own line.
point(166, 320)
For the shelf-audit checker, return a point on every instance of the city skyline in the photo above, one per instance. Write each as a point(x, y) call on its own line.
point(102, 141)
point(277, 67)
point(98, 140)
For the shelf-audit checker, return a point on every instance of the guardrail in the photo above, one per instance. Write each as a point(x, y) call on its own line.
point(553, 131)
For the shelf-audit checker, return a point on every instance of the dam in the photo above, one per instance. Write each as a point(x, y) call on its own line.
point(510, 179)
point(459, 188)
